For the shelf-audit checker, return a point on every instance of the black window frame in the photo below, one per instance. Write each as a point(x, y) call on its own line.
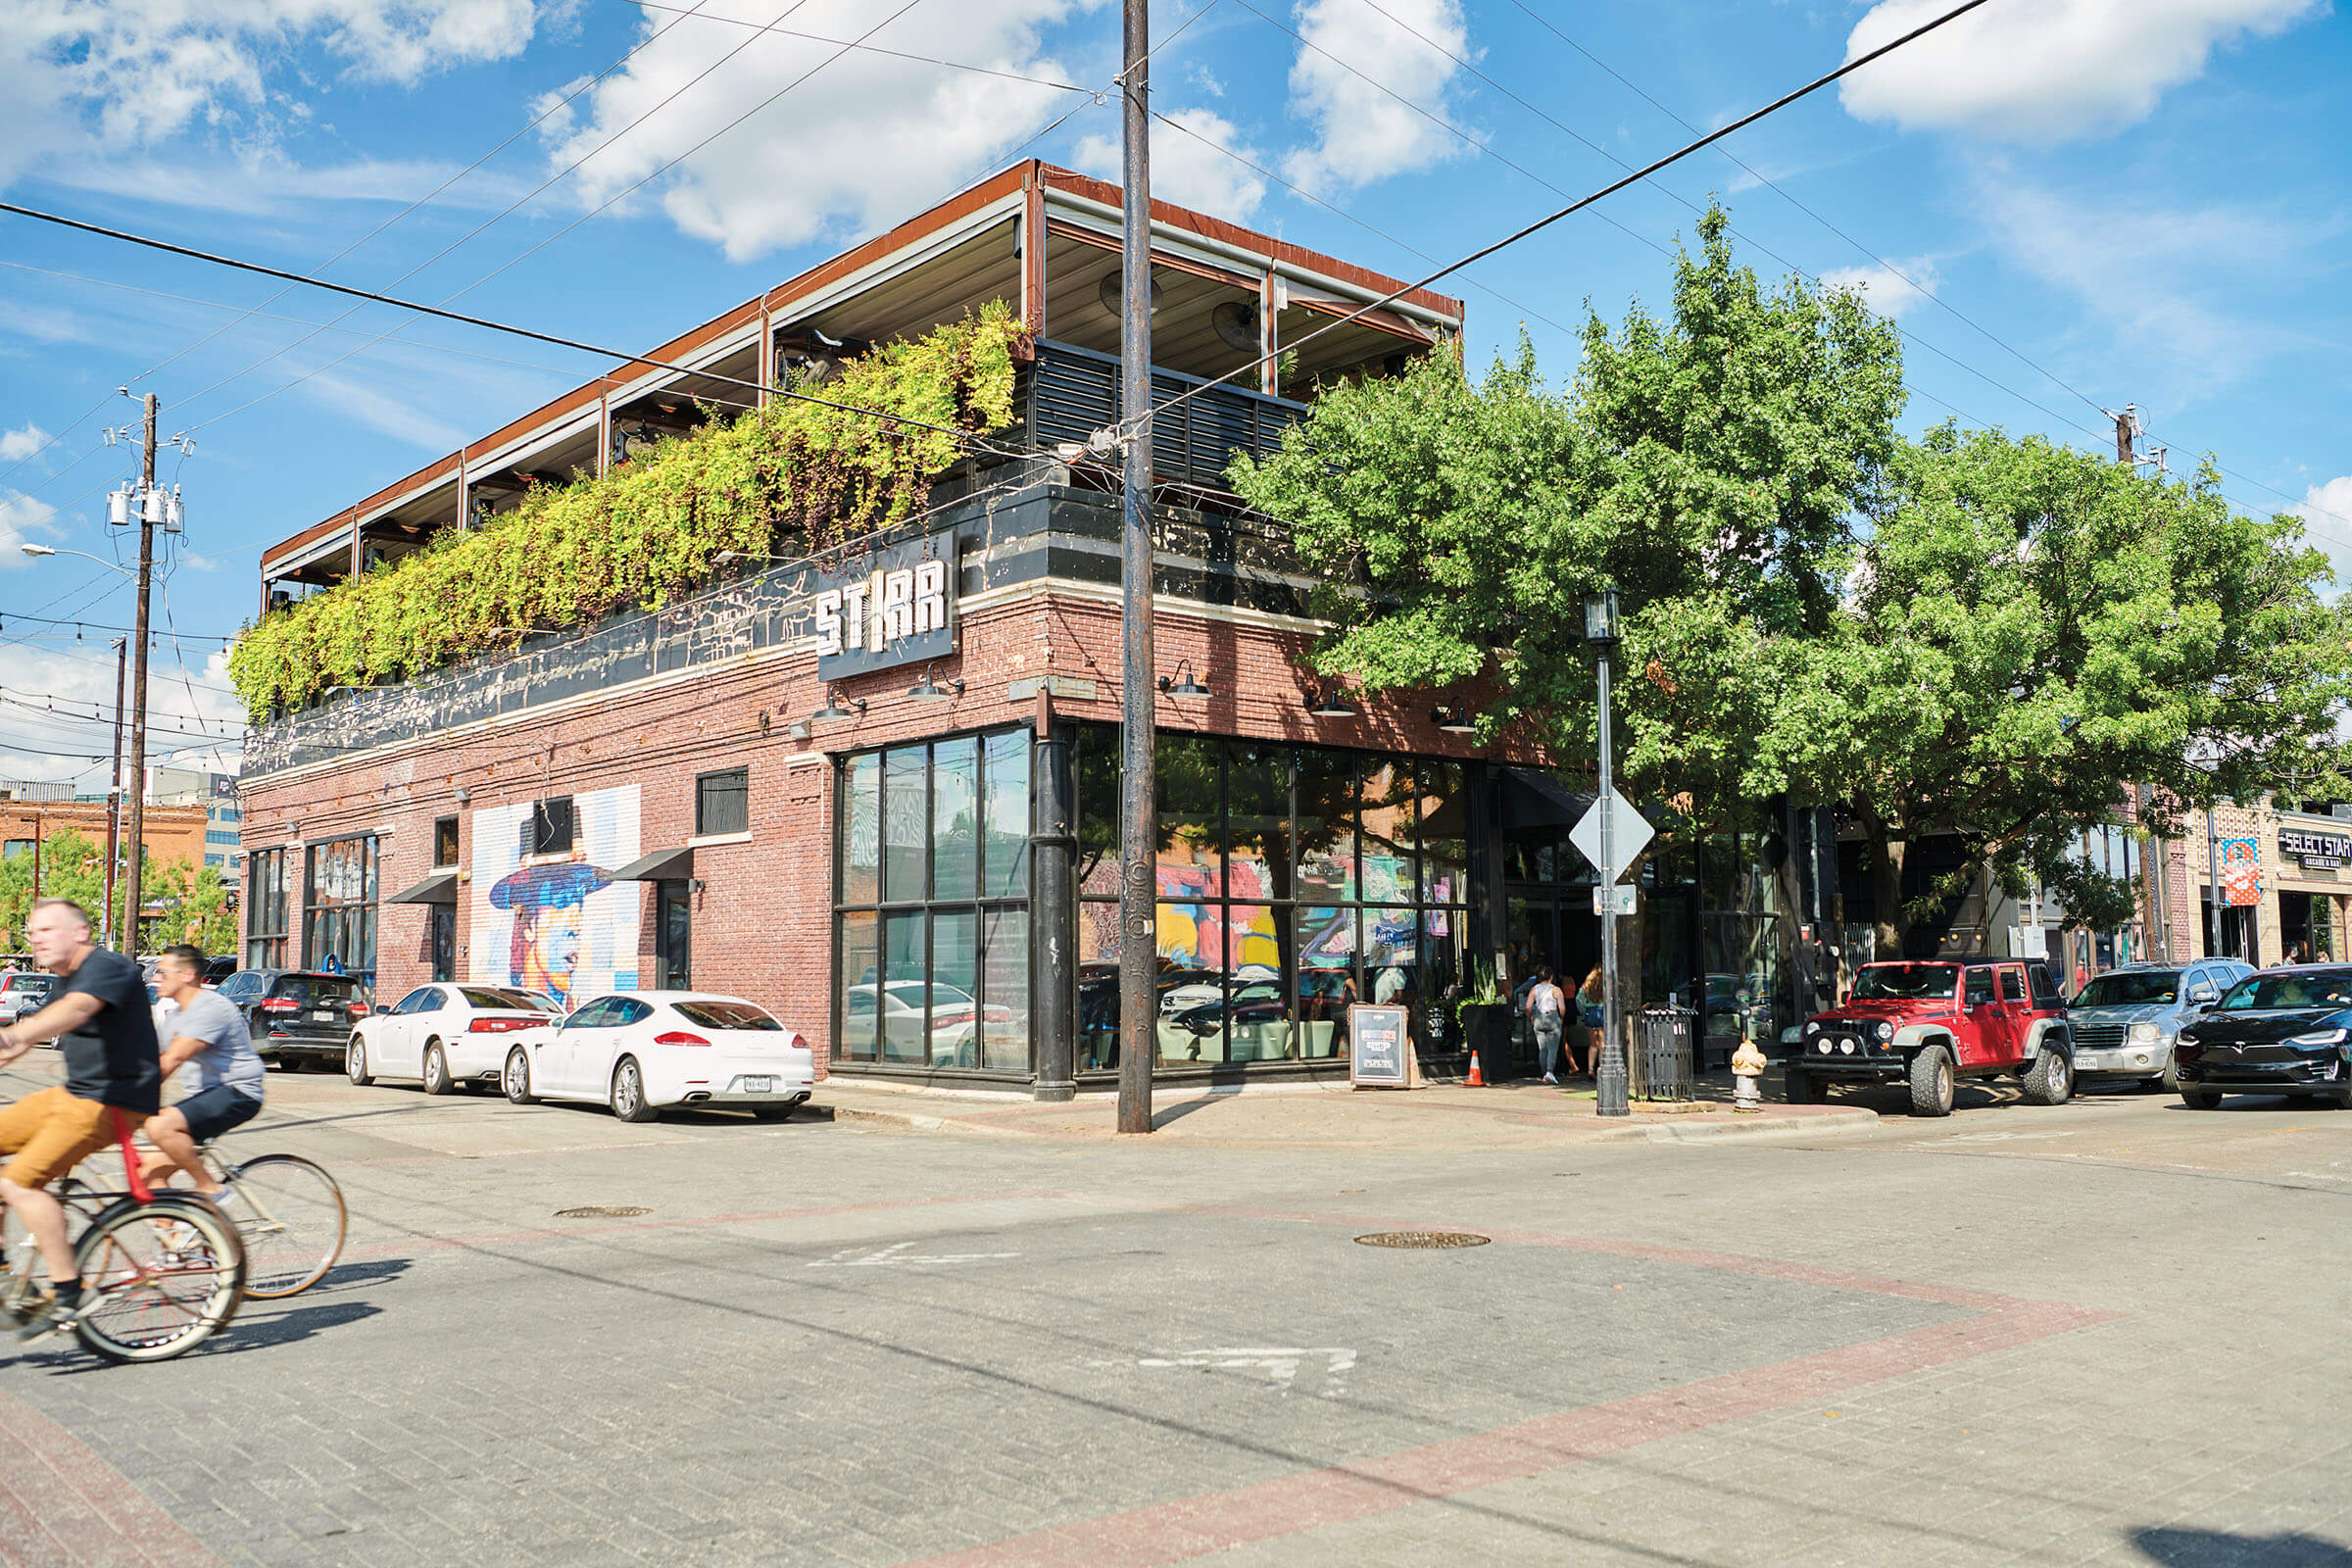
point(266, 910)
point(445, 830)
point(555, 825)
point(712, 790)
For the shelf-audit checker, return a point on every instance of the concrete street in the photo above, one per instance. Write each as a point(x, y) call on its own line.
point(2111, 1332)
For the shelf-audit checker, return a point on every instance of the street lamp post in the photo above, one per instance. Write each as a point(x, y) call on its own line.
point(1610, 1085)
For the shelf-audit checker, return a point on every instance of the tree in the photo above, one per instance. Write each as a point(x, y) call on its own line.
point(72, 867)
point(2040, 642)
point(1709, 467)
point(197, 908)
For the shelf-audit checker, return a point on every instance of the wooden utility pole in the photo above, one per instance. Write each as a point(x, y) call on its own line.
point(114, 796)
point(149, 506)
point(1139, 837)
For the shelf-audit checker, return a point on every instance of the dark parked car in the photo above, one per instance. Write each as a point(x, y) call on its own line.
point(298, 1016)
point(2279, 1032)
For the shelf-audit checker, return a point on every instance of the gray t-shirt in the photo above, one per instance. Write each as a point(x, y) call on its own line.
point(227, 1057)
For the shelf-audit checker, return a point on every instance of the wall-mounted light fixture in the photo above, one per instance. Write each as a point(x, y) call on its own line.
point(1454, 721)
point(1330, 702)
point(930, 691)
point(1183, 683)
point(464, 794)
point(833, 709)
point(797, 729)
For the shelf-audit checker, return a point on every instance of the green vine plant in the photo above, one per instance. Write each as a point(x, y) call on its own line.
point(789, 478)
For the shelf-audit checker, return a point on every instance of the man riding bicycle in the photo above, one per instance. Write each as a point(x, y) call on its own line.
point(208, 1029)
point(98, 1015)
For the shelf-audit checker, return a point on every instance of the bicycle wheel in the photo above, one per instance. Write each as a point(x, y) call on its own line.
point(292, 1225)
point(164, 1275)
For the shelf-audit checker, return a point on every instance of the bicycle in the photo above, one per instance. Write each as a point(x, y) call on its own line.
point(291, 1219)
point(162, 1272)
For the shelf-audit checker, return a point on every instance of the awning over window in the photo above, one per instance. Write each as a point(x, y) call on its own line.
point(662, 865)
point(439, 888)
point(1533, 798)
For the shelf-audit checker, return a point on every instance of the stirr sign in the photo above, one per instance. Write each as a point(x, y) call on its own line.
point(900, 611)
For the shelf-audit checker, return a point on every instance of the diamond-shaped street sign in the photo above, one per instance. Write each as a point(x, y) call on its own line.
point(1628, 832)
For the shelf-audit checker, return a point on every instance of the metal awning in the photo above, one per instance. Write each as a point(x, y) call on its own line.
point(662, 865)
point(1534, 798)
point(439, 888)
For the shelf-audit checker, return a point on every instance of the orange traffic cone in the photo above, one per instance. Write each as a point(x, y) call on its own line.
point(1478, 1080)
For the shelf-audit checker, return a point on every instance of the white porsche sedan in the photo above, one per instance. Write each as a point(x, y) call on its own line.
point(640, 1051)
point(442, 1035)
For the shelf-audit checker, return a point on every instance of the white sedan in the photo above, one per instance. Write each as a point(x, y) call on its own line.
point(442, 1035)
point(641, 1050)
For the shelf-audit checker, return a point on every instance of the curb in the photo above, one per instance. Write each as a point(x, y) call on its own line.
point(1676, 1130)
point(912, 1121)
point(1760, 1128)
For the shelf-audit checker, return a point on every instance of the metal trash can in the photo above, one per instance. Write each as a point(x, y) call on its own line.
point(1660, 1067)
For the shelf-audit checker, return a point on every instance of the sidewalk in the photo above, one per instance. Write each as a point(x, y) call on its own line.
point(1511, 1115)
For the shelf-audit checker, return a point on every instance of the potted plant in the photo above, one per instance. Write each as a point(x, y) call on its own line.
point(1484, 1014)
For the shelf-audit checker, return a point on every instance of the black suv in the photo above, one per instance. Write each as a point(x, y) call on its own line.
point(298, 1015)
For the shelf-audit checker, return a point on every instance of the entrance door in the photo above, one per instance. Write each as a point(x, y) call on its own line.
point(674, 928)
point(444, 933)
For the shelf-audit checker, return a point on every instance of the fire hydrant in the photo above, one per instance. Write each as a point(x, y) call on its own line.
point(1747, 1072)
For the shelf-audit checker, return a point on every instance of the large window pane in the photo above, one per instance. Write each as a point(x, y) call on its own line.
point(862, 830)
point(955, 818)
point(856, 938)
point(1445, 951)
point(1006, 760)
point(905, 1018)
point(1392, 955)
point(1387, 827)
point(1004, 991)
point(1257, 819)
point(1325, 983)
point(1192, 861)
point(1097, 987)
point(956, 989)
point(1445, 832)
point(902, 818)
point(1326, 846)
point(1096, 762)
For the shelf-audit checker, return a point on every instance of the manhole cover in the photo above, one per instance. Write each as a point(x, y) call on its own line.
point(601, 1212)
point(1422, 1240)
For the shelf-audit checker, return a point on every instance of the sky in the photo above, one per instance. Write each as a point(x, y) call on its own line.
point(2067, 205)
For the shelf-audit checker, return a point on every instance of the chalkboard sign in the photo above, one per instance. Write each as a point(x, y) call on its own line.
point(1380, 1045)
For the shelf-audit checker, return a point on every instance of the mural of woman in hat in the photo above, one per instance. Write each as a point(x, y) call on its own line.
point(549, 904)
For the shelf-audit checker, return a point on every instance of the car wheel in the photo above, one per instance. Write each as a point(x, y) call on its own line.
point(354, 1062)
point(1803, 1089)
point(628, 1092)
point(2169, 1080)
point(1932, 1085)
point(516, 1079)
point(2341, 1097)
point(2051, 1079)
point(436, 1071)
point(2201, 1098)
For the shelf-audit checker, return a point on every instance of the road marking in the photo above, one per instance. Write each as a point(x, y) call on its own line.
point(1279, 1363)
point(895, 1254)
point(1989, 1138)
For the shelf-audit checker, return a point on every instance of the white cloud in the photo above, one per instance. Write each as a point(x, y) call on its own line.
point(1362, 133)
point(18, 445)
point(854, 148)
point(1889, 289)
point(23, 519)
point(401, 419)
point(82, 682)
point(264, 183)
point(2044, 70)
point(1186, 169)
point(2327, 511)
point(87, 79)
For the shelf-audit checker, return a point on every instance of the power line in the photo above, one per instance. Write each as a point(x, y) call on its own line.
point(864, 48)
point(1635, 176)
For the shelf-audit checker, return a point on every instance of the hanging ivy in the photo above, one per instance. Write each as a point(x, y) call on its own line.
point(784, 479)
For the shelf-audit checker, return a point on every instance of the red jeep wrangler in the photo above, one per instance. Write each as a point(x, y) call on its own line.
point(1923, 1024)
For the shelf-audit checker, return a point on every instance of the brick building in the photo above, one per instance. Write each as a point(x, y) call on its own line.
point(2284, 879)
point(877, 792)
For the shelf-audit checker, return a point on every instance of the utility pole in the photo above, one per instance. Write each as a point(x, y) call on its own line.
point(150, 506)
point(113, 795)
point(1139, 944)
point(2213, 889)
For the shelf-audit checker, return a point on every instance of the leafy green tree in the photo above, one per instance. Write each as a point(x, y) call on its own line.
point(196, 909)
point(2041, 642)
point(72, 866)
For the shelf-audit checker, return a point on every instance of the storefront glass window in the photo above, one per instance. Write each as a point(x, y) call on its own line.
point(931, 930)
point(339, 906)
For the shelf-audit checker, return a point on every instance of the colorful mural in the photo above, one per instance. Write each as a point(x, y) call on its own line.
point(558, 924)
point(2241, 870)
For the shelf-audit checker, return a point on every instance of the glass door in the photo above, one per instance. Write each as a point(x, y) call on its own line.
point(674, 931)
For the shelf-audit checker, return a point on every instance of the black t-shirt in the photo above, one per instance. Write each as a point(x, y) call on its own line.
point(112, 1058)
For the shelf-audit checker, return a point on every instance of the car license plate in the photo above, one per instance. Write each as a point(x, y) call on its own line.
point(759, 1086)
point(323, 1016)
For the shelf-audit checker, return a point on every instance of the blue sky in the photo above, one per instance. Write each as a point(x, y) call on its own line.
point(2065, 203)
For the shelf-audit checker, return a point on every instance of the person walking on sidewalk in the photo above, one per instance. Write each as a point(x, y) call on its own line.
point(1547, 1016)
point(1589, 1011)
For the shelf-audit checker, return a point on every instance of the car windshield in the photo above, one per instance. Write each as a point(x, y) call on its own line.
point(506, 1001)
point(2128, 989)
point(2324, 988)
point(1906, 982)
point(725, 1015)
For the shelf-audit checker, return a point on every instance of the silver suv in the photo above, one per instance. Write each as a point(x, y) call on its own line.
point(23, 993)
point(2125, 1020)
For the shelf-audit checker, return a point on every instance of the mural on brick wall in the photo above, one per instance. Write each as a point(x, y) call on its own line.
point(558, 924)
point(2241, 872)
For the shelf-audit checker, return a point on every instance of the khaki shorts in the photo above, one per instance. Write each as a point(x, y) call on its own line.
point(50, 1132)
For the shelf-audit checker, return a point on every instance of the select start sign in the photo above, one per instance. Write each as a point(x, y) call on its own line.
point(898, 608)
